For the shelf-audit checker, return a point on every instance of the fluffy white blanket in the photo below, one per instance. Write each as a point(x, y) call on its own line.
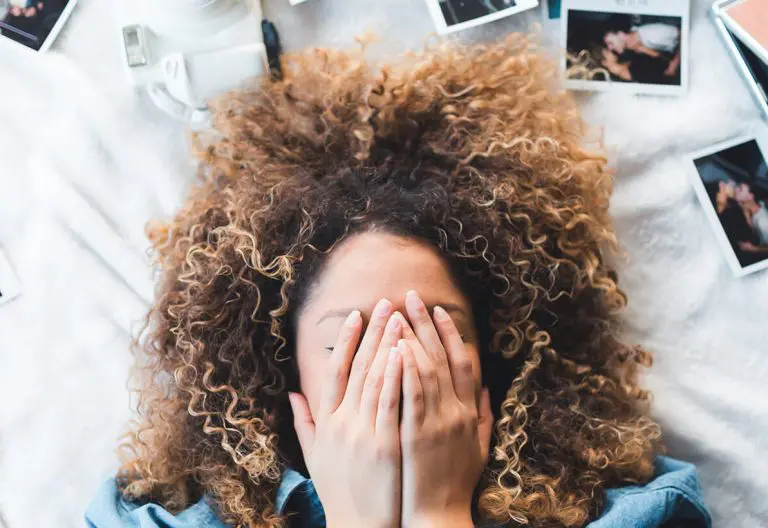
point(84, 163)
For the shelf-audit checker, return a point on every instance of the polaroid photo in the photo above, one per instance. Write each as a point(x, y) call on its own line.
point(731, 181)
point(751, 68)
point(455, 15)
point(629, 46)
point(10, 287)
point(748, 20)
point(34, 24)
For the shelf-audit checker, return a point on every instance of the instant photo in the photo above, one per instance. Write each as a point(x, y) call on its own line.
point(748, 20)
point(632, 47)
point(731, 181)
point(33, 23)
point(454, 15)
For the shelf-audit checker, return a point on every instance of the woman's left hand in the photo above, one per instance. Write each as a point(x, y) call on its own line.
point(445, 434)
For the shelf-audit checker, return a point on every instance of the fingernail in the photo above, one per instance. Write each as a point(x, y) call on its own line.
point(393, 353)
point(441, 314)
point(414, 300)
point(382, 308)
point(353, 318)
point(393, 324)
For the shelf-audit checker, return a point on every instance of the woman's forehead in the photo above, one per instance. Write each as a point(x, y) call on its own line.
point(372, 266)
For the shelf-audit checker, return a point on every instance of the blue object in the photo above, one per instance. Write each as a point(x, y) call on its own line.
point(673, 496)
point(554, 8)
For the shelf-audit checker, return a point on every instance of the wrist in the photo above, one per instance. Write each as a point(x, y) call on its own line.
point(448, 518)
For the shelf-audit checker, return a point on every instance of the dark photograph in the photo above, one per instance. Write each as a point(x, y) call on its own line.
point(29, 22)
point(459, 11)
point(736, 183)
point(625, 47)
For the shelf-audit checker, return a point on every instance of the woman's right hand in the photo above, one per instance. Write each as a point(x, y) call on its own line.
point(446, 431)
point(352, 447)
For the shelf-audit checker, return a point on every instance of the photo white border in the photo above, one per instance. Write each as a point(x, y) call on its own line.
point(709, 208)
point(743, 68)
point(677, 8)
point(443, 28)
point(721, 10)
point(51, 36)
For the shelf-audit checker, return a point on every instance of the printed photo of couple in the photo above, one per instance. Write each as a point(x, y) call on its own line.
point(736, 183)
point(626, 47)
point(29, 22)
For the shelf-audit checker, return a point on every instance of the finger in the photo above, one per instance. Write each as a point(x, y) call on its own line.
point(425, 330)
point(392, 334)
point(485, 423)
point(339, 364)
point(366, 353)
point(413, 394)
point(459, 359)
point(374, 382)
point(427, 371)
point(302, 423)
point(387, 414)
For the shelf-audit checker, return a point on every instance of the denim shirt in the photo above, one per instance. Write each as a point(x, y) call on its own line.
point(672, 498)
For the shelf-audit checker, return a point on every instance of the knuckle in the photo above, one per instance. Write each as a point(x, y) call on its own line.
point(429, 374)
point(387, 403)
point(472, 419)
point(360, 368)
point(441, 359)
point(456, 427)
point(408, 363)
point(438, 435)
point(416, 398)
point(374, 380)
point(422, 316)
point(386, 451)
point(337, 371)
point(464, 366)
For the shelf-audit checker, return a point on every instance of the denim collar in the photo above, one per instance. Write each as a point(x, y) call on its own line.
point(291, 481)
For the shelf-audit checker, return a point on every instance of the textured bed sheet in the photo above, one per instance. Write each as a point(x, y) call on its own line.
point(84, 163)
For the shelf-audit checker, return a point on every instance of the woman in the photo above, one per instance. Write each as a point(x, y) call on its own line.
point(393, 282)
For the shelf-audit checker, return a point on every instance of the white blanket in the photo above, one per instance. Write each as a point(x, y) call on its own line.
point(84, 163)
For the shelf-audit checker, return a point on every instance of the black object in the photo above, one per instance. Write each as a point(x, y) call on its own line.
point(274, 49)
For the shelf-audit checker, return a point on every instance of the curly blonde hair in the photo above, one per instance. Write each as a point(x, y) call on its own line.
point(474, 150)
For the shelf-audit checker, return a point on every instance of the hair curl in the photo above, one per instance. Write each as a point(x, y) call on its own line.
point(475, 151)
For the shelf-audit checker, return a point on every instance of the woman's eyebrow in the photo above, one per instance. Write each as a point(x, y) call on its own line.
point(448, 307)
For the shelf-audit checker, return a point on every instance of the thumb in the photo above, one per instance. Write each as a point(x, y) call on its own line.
point(302, 423)
point(485, 423)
